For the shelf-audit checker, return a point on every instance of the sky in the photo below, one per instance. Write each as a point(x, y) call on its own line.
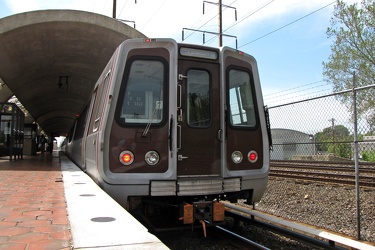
point(289, 53)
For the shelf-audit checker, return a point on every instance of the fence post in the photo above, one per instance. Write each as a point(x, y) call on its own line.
point(358, 211)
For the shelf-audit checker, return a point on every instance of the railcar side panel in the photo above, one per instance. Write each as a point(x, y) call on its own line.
point(97, 118)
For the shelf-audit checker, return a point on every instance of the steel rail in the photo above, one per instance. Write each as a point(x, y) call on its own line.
point(319, 179)
point(242, 214)
point(324, 168)
point(323, 175)
point(238, 240)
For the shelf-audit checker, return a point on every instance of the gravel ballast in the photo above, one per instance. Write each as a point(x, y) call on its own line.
point(327, 206)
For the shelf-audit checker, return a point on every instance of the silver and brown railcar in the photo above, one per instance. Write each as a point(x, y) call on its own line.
point(175, 124)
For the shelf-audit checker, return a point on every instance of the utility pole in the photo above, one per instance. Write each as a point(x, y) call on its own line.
point(220, 23)
point(220, 33)
point(333, 135)
point(114, 9)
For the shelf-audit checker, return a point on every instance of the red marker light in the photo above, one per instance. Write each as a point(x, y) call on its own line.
point(252, 156)
point(147, 40)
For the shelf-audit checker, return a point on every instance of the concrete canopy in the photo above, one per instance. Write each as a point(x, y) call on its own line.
point(37, 48)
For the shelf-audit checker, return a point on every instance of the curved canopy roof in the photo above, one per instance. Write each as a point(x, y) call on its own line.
point(51, 59)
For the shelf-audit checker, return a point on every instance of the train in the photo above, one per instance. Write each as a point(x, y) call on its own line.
point(175, 126)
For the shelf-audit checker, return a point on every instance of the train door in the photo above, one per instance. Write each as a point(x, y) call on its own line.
point(198, 123)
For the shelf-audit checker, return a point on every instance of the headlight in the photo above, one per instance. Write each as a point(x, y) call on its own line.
point(126, 157)
point(152, 158)
point(237, 157)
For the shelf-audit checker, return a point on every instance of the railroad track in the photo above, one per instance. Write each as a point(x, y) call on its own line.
point(326, 174)
point(350, 169)
point(303, 233)
point(237, 240)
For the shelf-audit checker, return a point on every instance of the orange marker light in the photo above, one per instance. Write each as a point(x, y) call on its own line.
point(126, 157)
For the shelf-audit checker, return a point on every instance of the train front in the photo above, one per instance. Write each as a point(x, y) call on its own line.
point(188, 130)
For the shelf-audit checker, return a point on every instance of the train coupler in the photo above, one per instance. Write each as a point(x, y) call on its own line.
point(210, 211)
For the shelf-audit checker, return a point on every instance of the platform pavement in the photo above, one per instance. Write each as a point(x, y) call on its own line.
point(32, 204)
point(34, 210)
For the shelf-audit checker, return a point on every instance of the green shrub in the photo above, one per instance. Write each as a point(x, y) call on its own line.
point(369, 156)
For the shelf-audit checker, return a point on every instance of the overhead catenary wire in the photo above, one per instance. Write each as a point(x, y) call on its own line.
point(245, 17)
point(200, 26)
point(306, 90)
point(249, 14)
point(123, 7)
point(286, 25)
point(226, 6)
point(298, 87)
point(154, 14)
point(306, 96)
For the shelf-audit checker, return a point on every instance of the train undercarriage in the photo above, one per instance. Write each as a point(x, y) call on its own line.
point(161, 214)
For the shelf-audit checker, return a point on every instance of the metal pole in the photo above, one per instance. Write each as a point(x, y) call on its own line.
point(114, 9)
point(358, 212)
point(220, 24)
point(333, 135)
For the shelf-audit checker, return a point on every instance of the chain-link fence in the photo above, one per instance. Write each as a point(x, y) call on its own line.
point(322, 132)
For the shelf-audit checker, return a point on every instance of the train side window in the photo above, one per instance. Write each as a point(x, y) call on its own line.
point(100, 97)
point(241, 102)
point(198, 98)
point(144, 97)
point(78, 133)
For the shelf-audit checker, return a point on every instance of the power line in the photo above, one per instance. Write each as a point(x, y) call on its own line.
point(226, 6)
point(290, 97)
point(245, 17)
point(154, 14)
point(303, 91)
point(300, 93)
point(201, 25)
point(249, 14)
point(123, 7)
point(287, 24)
point(298, 87)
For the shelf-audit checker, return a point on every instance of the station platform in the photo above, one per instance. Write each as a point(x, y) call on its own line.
point(47, 202)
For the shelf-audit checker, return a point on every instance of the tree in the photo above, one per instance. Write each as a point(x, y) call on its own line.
point(353, 50)
point(335, 141)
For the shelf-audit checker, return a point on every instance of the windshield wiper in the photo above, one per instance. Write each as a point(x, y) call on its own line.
point(157, 106)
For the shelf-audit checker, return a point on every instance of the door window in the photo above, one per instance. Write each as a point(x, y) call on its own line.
point(198, 101)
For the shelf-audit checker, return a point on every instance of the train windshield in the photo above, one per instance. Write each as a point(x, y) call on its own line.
point(143, 98)
point(241, 102)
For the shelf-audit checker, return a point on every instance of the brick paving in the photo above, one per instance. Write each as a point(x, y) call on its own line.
point(32, 204)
